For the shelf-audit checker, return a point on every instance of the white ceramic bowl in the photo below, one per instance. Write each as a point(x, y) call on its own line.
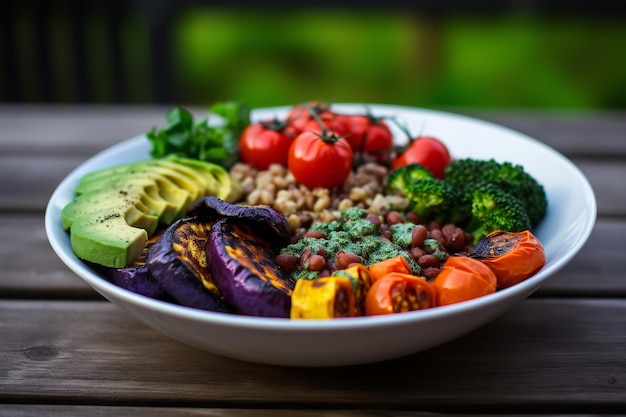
point(569, 221)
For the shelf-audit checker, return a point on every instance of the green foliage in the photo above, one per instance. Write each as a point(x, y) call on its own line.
point(505, 60)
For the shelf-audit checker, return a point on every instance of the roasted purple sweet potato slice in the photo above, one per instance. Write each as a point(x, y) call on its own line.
point(136, 277)
point(215, 208)
point(178, 262)
point(242, 264)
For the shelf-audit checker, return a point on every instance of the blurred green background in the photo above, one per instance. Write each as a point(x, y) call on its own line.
point(511, 60)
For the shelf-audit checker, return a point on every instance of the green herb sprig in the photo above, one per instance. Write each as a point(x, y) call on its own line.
point(216, 143)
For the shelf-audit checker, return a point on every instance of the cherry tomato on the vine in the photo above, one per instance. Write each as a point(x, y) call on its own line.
point(427, 151)
point(368, 134)
point(300, 115)
point(264, 143)
point(329, 123)
point(320, 160)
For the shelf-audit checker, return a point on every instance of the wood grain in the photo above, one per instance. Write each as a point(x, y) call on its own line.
point(92, 352)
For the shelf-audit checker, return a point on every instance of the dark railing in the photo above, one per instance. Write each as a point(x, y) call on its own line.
point(33, 31)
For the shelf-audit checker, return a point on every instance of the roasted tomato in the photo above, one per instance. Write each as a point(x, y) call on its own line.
point(427, 151)
point(513, 257)
point(264, 143)
point(368, 134)
point(397, 292)
point(320, 160)
point(463, 278)
point(395, 264)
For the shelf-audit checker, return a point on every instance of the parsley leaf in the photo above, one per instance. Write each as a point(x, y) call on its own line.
point(216, 143)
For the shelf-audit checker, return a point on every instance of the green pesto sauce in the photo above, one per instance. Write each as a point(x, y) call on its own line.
point(353, 233)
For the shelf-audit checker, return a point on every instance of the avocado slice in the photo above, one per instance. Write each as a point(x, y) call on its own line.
point(225, 187)
point(125, 202)
point(109, 227)
point(107, 239)
point(180, 176)
point(117, 209)
point(159, 190)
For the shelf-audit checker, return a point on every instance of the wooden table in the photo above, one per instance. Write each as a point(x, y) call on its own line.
point(64, 350)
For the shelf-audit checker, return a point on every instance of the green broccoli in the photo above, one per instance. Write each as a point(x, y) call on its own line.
point(495, 209)
point(465, 173)
point(401, 178)
point(438, 200)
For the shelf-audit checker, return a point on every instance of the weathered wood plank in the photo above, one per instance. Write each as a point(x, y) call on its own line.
point(13, 410)
point(30, 268)
point(598, 269)
point(542, 355)
point(18, 410)
point(27, 182)
point(71, 129)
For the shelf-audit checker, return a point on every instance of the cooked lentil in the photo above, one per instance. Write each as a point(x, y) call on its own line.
point(276, 187)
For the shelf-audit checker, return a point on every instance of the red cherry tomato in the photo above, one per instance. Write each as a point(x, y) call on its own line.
point(265, 143)
point(368, 134)
point(300, 115)
point(427, 151)
point(320, 160)
point(329, 123)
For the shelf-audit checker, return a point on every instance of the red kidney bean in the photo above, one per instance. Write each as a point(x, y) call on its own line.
point(345, 259)
point(316, 234)
point(316, 263)
point(287, 262)
point(414, 218)
point(416, 252)
point(393, 217)
point(454, 237)
point(430, 273)
point(436, 234)
point(418, 234)
point(374, 219)
point(428, 260)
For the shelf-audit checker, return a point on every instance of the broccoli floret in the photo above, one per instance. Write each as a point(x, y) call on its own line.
point(495, 209)
point(463, 173)
point(514, 180)
point(511, 178)
point(401, 178)
point(438, 200)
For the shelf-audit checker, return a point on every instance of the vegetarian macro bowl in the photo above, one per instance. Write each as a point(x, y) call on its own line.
point(570, 218)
